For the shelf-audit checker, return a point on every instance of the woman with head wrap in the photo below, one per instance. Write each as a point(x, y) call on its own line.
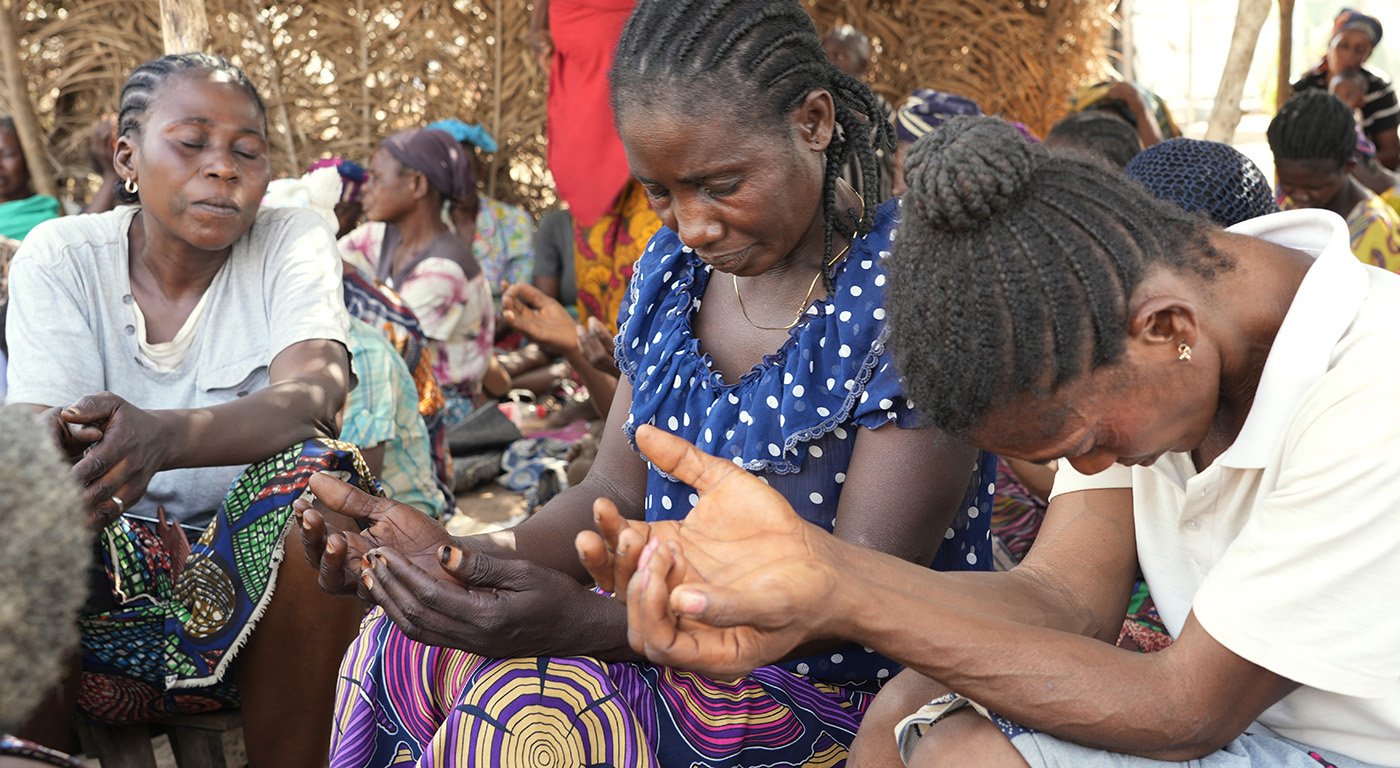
point(1132, 103)
point(407, 247)
point(1204, 177)
point(499, 233)
point(1354, 36)
point(924, 110)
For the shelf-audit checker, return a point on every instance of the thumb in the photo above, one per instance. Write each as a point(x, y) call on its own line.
point(678, 458)
point(596, 327)
point(714, 605)
point(473, 569)
point(92, 408)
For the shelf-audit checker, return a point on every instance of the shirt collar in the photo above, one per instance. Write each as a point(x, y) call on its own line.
point(1324, 307)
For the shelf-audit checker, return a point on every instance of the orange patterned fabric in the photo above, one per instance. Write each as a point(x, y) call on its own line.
point(605, 251)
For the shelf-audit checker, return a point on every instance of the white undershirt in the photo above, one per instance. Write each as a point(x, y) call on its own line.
point(166, 356)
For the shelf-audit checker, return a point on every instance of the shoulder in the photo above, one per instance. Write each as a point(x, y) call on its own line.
point(76, 240)
point(1376, 79)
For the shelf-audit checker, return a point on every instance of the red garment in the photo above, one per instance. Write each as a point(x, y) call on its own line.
point(584, 152)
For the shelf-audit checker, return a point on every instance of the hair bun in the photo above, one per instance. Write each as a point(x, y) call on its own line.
point(967, 170)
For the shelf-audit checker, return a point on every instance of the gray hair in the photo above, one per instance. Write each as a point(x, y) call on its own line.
point(44, 556)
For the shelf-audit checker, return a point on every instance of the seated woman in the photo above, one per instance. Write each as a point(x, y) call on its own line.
point(20, 208)
point(499, 233)
point(1354, 38)
point(168, 345)
point(1223, 403)
point(1313, 139)
point(1133, 104)
point(755, 326)
point(407, 247)
point(1204, 177)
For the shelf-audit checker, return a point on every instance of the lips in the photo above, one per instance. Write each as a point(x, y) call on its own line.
point(721, 262)
point(218, 206)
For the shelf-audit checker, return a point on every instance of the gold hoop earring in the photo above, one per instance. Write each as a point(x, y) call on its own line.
point(1183, 352)
point(130, 187)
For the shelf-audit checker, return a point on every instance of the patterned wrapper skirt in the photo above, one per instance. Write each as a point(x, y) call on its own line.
point(166, 649)
point(400, 702)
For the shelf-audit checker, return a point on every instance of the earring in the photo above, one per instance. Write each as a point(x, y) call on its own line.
point(1183, 352)
point(130, 187)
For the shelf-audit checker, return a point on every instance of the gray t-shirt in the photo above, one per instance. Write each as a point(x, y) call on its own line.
point(72, 328)
point(554, 253)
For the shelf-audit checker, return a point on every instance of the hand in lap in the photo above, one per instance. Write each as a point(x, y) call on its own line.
point(738, 584)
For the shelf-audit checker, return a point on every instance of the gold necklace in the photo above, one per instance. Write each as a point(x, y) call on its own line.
point(810, 289)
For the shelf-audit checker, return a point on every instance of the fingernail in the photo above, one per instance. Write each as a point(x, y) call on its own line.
point(366, 563)
point(692, 603)
point(71, 409)
point(367, 580)
point(450, 556)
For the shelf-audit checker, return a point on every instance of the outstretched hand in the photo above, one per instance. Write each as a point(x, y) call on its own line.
point(738, 584)
point(540, 317)
point(337, 555)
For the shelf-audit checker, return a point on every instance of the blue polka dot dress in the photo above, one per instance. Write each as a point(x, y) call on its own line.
point(792, 419)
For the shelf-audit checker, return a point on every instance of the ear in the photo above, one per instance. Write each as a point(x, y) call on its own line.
point(124, 158)
point(1161, 324)
point(815, 120)
point(418, 186)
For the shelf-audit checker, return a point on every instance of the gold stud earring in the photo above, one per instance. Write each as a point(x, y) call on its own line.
point(1183, 352)
point(130, 187)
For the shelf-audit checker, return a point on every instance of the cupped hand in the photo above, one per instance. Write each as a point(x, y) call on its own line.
point(542, 44)
point(742, 581)
point(336, 554)
point(128, 449)
point(611, 553)
point(487, 605)
point(540, 317)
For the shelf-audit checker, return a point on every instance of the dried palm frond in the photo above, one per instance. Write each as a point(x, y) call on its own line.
point(339, 77)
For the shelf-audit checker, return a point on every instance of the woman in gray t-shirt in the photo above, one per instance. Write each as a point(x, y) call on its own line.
point(168, 346)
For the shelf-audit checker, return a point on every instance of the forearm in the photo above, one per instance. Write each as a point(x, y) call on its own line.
point(105, 198)
point(547, 537)
point(539, 16)
point(252, 428)
point(601, 385)
point(1012, 654)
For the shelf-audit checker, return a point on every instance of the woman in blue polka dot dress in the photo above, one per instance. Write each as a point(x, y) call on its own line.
point(754, 326)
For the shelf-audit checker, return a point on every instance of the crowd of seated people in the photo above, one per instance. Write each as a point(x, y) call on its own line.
point(915, 438)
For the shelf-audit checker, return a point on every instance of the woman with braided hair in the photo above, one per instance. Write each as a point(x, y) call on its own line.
point(187, 354)
point(1224, 404)
point(754, 326)
point(1313, 138)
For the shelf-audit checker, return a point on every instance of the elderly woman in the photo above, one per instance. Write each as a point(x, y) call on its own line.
point(755, 326)
point(168, 345)
point(1224, 404)
point(1354, 37)
point(407, 247)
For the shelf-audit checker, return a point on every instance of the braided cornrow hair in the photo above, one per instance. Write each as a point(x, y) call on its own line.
point(753, 52)
point(1314, 125)
point(139, 92)
point(1014, 266)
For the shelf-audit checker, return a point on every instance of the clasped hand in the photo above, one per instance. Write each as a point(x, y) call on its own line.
point(738, 584)
point(433, 588)
point(115, 448)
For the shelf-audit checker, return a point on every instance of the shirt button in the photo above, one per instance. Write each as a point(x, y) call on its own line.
point(127, 299)
point(130, 329)
point(1193, 525)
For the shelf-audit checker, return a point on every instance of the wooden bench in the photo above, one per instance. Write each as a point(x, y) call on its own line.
point(213, 740)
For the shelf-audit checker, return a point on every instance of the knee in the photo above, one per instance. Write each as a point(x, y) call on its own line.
point(965, 739)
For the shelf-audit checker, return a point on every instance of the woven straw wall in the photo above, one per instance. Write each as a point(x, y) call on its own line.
point(339, 76)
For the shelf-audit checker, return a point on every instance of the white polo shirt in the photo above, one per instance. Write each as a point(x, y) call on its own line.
point(1287, 547)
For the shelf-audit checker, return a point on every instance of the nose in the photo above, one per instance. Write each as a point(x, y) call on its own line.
point(221, 164)
point(697, 225)
point(1092, 463)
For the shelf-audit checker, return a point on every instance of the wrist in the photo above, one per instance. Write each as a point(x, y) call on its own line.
point(167, 440)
